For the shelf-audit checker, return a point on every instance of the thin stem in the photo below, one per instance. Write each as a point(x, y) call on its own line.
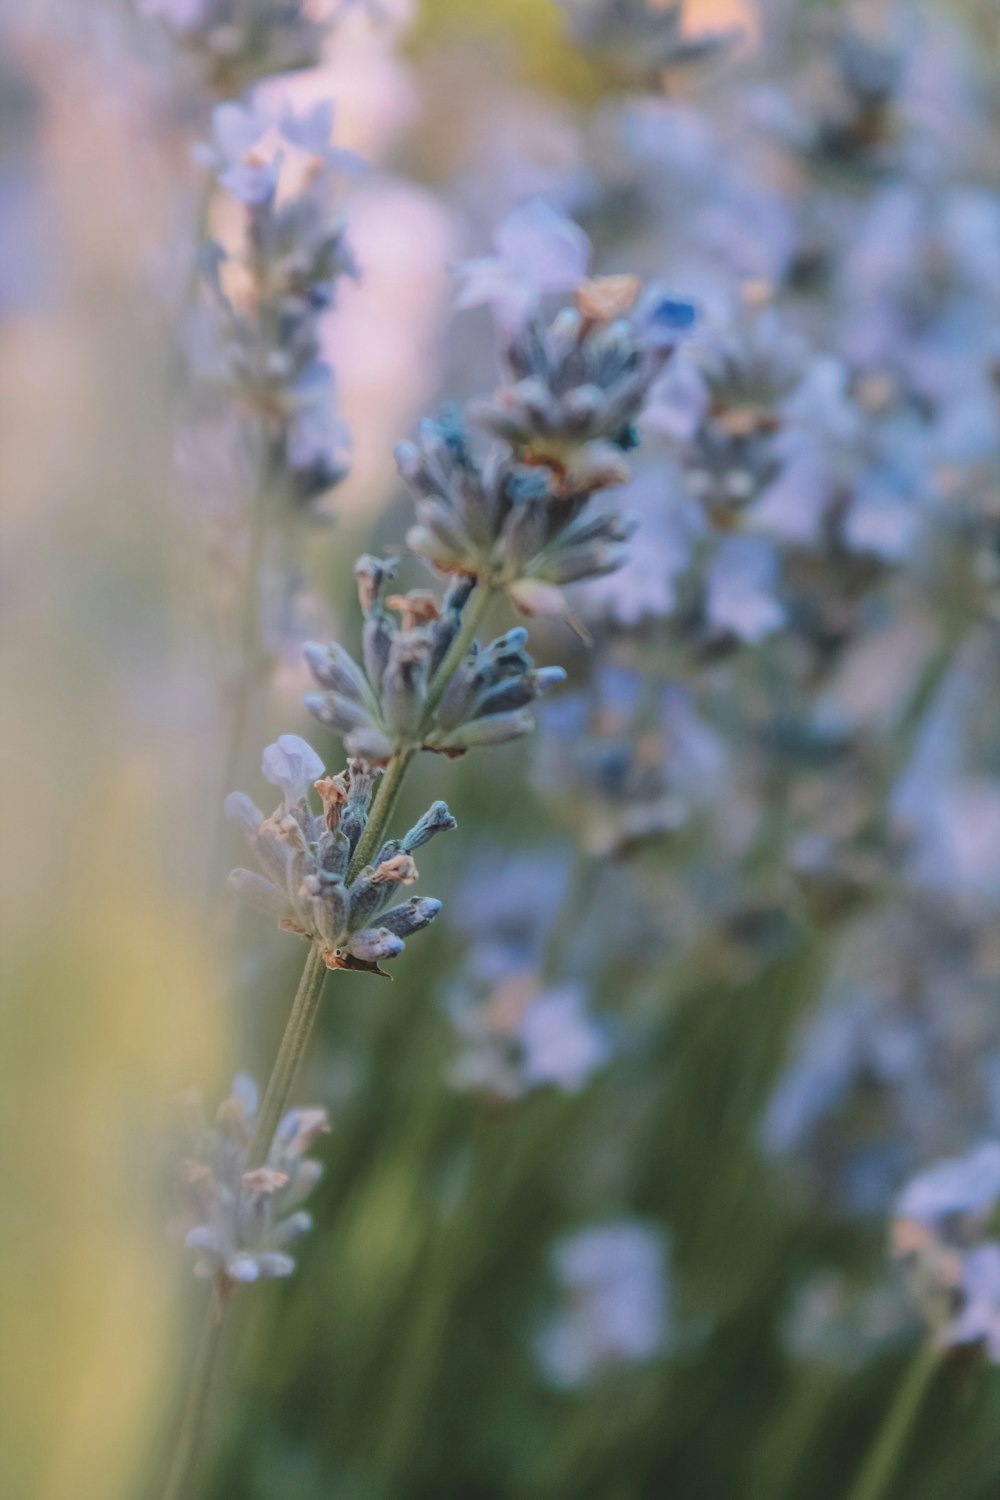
point(293, 1044)
point(381, 811)
point(196, 1410)
point(472, 618)
point(873, 1481)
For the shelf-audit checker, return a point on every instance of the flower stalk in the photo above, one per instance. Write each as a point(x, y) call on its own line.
point(194, 1422)
point(298, 1030)
point(883, 1458)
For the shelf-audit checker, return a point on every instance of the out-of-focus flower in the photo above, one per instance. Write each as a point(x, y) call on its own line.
point(585, 377)
point(941, 1224)
point(387, 706)
point(898, 1063)
point(305, 860)
point(538, 251)
point(566, 410)
point(633, 754)
point(246, 1221)
point(615, 1281)
point(270, 292)
point(519, 1037)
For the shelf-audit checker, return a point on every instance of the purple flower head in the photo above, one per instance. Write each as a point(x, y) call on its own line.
point(237, 154)
point(250, 141)
point(538, 251)
point(312, 133)
point(293, 765)
point(242, 1221)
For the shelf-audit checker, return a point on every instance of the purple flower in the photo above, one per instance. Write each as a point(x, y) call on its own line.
point(236, 155)
point(293, 765)
point(538, 251)
point(312, 132)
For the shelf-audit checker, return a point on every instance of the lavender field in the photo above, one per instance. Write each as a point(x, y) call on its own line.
point(500, 587)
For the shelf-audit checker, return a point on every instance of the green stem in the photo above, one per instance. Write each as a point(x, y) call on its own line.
point(876, 1475)
point(293, 1044)
point(381, 811)
point(196, 1409)
point(472, 618)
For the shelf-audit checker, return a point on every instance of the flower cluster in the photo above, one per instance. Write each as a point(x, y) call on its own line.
point(271, 291)
point(393, 703)
point(307, 882)
point(243, 1220)
point(564, 415)
point(945, 1237)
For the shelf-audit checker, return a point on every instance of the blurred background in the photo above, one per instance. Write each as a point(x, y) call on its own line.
point(606, 1199)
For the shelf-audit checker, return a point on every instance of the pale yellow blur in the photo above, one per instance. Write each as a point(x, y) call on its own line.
point(111, 1002)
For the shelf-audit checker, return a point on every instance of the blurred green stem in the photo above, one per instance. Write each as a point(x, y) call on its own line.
point(876, 1475)
point(194, 1422)
point(382, 809)
point(472, 618)
point(293, 1044)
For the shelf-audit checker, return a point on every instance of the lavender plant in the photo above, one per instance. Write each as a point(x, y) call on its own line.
point(331, 878)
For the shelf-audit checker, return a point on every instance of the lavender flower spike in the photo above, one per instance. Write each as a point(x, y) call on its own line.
point(384, 708)
point(304, 860)
point(244, 1222)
